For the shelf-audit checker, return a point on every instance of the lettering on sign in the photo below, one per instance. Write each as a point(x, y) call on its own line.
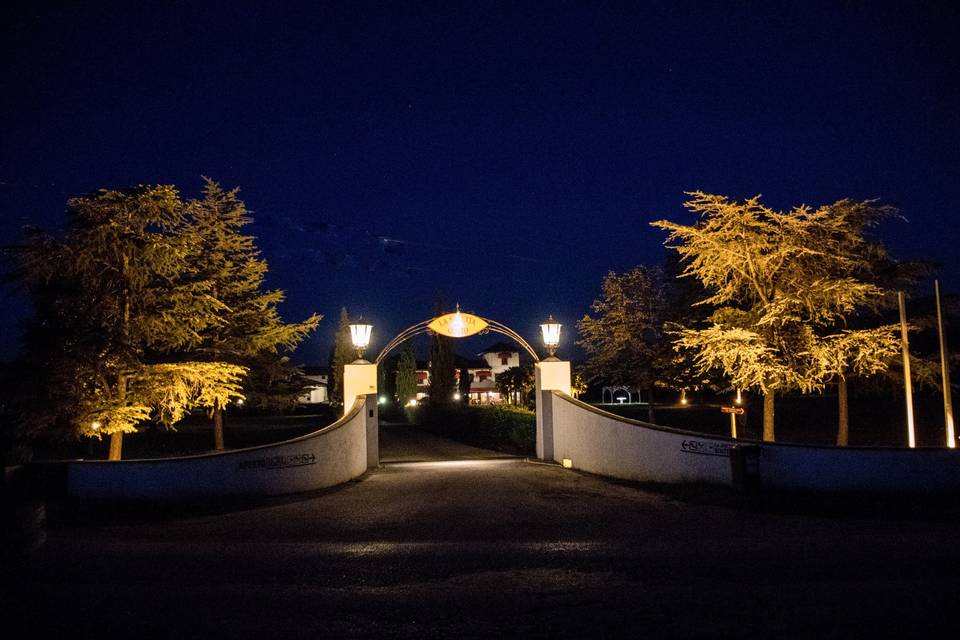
point(706, 448)
point(457, 325)
point(279, 462)
point(736, 410)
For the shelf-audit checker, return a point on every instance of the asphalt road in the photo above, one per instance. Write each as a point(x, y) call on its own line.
point(465, 543)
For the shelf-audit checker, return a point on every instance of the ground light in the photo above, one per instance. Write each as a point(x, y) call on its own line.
point(945, 374)
point(907, 385)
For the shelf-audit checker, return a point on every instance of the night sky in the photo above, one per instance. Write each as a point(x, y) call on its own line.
point(504, 156)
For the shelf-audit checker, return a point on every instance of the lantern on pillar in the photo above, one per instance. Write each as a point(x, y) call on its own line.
point(551, 335)
point(360, 336)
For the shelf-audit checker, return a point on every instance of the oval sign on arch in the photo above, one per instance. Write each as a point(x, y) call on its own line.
point(457, 324)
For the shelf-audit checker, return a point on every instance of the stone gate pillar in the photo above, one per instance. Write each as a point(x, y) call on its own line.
point(551, 375)
point(359, 380)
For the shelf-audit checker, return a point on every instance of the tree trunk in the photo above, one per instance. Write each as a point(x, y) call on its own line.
point(768, 413)
point(651, 415)
point(116, 438)
point(218, 428)
point(843, 429)
point(116, 445)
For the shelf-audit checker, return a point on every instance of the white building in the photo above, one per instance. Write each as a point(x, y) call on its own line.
point(318, 391)
point(492, 361)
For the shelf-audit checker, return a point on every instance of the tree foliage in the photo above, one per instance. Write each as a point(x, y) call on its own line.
point(406, 375)
point(464, 381)
point(342, 354)
point(779, 280)
point(626, 340)
point(118, 299)
point(442, 370)
point(250, 331)
point(516, 384)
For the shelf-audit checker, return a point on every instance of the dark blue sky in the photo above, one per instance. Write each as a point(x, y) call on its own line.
point(503, 155)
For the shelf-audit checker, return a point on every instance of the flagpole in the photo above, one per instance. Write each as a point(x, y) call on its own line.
point(907, 387)
point(944, 373)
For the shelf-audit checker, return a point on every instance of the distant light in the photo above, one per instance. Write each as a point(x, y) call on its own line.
point(739, 399)
point(567, 463)
point(382, 400)
point(456, 396)
point(240, 402)
point(95, 425)
point(412, 402)
point(683, 396)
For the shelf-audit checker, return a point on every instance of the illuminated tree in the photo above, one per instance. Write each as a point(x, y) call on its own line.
point(777, 278)
point(342, 354)
point(249, 330)
point(116, 301)
point(406, 375)
point(578, 386)
point(860, 352)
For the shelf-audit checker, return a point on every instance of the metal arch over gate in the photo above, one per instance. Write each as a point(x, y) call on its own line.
point(456, 325)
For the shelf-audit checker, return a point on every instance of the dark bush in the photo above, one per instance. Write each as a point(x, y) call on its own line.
point(498, 427)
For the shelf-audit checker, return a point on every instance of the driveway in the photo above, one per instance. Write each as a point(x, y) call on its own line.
point(466, 543)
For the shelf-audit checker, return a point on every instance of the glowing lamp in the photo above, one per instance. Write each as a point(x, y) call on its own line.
point(551, 335)
point(360, 336)
point(458, 325)
point(95, 425)
point(567, 463)
point(683, 396)
point(739, 399)
point(456, 396)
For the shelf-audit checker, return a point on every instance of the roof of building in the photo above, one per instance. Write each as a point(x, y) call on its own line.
point(459, 363)
point(501, 347)
point(315, 370)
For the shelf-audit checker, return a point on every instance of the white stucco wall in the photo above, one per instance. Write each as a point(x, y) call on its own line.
point(600, 442)
point(327, 457)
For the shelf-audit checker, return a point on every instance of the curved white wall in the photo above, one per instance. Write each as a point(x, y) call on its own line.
point(600, 442)
point(607, 444)
point(327, 457)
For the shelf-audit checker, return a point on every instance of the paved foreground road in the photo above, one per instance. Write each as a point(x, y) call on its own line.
point(486, 547)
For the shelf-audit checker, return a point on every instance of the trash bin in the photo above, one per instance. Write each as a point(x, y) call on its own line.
point(745, 467)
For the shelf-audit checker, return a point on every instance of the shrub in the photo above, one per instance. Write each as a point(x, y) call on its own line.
point(499, 427)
